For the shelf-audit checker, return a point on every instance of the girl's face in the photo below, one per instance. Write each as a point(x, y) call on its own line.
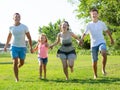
point(43, 39)
point(64, 26)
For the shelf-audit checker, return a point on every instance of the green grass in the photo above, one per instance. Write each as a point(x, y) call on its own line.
point(80, 79)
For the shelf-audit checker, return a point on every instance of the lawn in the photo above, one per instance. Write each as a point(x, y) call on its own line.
point(80, 79)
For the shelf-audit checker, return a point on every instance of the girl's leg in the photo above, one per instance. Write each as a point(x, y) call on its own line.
point(65, 68)
point(44, 67)
point(40, 69)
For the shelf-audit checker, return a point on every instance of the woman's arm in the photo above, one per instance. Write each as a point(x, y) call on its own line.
point(56, 42)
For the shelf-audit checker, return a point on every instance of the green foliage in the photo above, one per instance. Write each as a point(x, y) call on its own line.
point(109, 12)
point(51, 30)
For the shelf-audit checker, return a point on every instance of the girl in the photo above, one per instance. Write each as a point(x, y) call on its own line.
point(42, 48)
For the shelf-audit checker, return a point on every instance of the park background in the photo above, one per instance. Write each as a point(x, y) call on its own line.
point(81, 79)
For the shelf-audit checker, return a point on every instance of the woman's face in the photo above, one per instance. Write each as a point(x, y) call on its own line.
point(64, 26)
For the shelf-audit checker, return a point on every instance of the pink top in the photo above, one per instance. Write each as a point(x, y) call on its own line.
point(42, 51)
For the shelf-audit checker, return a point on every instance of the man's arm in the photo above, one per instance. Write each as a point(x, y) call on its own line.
point(29, 40)
point(7, 42)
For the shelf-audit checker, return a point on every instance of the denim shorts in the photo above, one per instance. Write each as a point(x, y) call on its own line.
point(67, 57)
point(94, 51)
point(43, 60)
point(18, 52)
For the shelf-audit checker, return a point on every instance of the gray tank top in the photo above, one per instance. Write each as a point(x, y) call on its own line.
point(66, 41)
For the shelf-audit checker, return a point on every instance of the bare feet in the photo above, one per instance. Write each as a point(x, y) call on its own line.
point(71, 70)
point(95, 76)
point(104, 73)
point(66, 78)
point(16, 80)
point(40, 77)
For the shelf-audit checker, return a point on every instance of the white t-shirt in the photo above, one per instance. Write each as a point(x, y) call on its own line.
point(96, 32)
point(18, 34)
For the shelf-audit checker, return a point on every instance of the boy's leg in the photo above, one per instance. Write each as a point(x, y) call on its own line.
point(94, 54)
point(102, 49)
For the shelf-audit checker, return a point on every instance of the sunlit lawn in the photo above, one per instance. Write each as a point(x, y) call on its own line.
point(80, 79)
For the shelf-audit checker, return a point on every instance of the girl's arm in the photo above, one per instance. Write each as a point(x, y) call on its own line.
point(36, 48)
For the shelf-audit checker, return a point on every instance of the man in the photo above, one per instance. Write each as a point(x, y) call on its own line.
point(18, 45)
point(95, 29)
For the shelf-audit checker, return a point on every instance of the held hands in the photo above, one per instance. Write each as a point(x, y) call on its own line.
point(31, 50)
point(80, 42)
point(5, 49)
point(51, 46)
point(112, 41)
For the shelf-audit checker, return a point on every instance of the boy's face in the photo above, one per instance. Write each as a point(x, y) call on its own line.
point(94, 15)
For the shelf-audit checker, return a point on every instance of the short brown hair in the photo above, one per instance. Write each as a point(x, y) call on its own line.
point(94, 9)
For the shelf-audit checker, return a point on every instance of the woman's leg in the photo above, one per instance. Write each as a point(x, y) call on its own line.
point(65, 68)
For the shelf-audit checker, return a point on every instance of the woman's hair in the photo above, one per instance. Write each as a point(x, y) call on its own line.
point(66, 23)
point(43, 34)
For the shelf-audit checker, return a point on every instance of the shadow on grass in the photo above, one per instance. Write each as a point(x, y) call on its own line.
point(6, 62)
point(90, 81)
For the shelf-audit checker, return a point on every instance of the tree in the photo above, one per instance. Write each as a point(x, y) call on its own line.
point(109, 12)
point(51, 30)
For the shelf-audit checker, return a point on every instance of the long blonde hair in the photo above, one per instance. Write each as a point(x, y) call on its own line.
point(42, 34)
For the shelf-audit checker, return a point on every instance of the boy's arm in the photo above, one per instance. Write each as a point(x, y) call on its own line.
point(109, 34)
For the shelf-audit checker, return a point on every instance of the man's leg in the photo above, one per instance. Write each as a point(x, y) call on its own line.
point(15, 68)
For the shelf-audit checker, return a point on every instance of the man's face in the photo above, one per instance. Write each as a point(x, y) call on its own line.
point(94, 15)
point(16, 18)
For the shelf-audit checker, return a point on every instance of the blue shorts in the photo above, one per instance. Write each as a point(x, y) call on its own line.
point(18, 52)
point(94, 51)
point(43, 60)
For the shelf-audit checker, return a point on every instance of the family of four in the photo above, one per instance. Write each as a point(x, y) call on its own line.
point(66, 52)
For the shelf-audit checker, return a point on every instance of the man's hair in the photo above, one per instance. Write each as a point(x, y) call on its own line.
point(16, 14)
point(94, 9)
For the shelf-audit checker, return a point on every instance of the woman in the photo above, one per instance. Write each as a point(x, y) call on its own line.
point(66, 52)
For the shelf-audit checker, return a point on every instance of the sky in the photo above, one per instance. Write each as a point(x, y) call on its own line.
point(35, 13)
